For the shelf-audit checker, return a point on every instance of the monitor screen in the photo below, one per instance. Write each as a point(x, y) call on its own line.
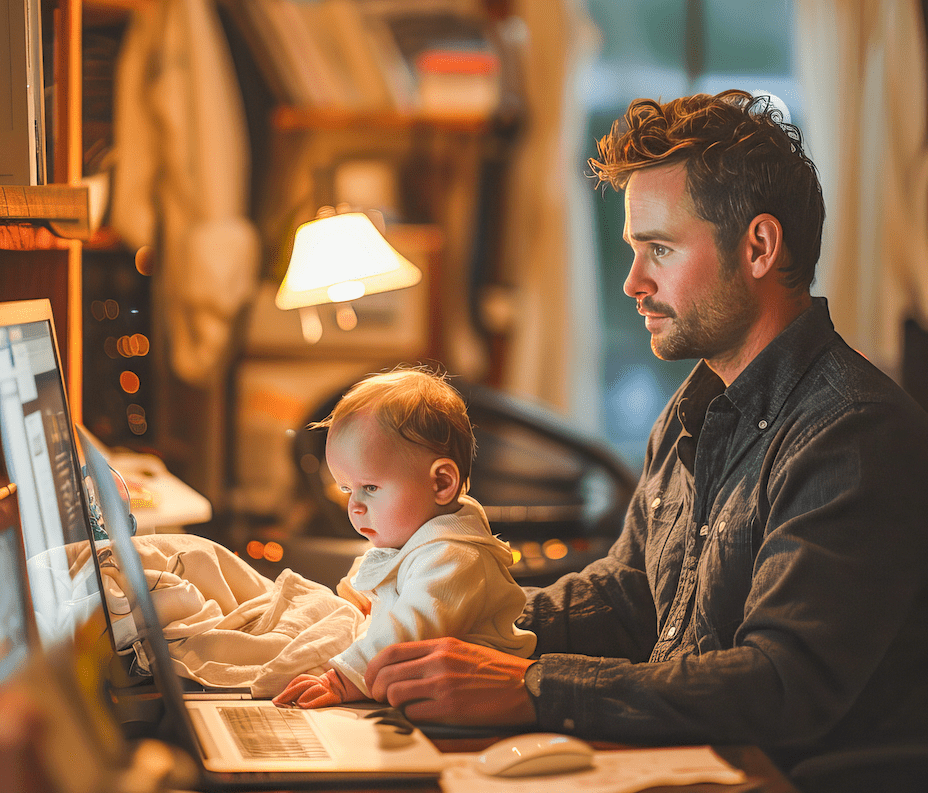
point(40, 457)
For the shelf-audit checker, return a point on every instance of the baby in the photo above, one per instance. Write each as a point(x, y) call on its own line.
point(400, 445)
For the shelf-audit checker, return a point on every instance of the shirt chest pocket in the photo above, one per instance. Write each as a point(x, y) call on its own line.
point(668, 516)
point(725, 575)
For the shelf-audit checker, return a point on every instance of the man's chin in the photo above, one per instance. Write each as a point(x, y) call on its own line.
point(667, 351)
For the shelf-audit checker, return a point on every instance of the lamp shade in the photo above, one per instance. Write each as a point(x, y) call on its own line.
point(339, 258)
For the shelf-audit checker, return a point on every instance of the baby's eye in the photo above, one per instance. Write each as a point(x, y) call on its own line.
point(346, 490)
point(370, 488)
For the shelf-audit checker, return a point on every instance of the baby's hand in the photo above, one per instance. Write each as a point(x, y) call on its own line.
point(310, 691)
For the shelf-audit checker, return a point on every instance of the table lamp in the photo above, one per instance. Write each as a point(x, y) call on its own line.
point(336, 259)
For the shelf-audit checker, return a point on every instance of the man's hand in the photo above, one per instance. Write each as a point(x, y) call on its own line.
point(310, 691)
point(447, 681)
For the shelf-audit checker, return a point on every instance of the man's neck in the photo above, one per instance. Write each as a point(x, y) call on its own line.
point(773, 319)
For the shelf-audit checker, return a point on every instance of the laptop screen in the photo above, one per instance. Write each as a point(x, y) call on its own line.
point(39, 451)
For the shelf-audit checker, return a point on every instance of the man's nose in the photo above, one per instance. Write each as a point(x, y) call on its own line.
point(639, 283)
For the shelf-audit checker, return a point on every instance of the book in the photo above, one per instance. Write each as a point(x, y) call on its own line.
point(22, 88)
point(343, 32)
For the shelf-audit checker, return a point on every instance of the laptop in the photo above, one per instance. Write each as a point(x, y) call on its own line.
point(252, 743)
point(82, 747)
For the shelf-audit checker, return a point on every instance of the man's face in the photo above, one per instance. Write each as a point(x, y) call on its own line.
point(694, 304)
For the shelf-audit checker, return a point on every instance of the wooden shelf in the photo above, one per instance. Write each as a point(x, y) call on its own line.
point(29, 237)
point(26, 211)
point(106, 12)
point(289, 118)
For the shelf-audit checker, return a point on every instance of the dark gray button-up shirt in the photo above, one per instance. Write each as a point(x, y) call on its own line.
point(770, 585)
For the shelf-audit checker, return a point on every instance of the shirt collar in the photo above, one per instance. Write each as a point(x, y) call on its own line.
point(762, 388)
point(764, 385)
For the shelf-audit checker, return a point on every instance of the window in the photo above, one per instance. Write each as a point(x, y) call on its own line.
point(663, 49)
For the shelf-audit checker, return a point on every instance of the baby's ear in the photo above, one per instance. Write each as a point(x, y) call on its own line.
point(446, 480)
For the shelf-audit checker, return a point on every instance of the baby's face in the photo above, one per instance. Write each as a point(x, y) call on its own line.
point(388, 480)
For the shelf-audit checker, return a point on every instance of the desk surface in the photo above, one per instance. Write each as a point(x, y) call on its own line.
point(763, 775)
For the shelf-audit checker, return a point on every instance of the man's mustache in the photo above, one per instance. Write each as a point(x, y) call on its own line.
point(648, 306)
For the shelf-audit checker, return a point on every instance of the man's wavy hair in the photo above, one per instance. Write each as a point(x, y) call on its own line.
point(741, 160)
point(417, 404)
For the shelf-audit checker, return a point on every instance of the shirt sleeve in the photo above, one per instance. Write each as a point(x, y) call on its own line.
point(606, 609)
point(835, 615)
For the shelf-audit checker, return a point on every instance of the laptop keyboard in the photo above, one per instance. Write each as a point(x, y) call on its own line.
point(273, 733)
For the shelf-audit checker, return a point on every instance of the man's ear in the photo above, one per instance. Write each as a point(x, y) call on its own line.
point(763, 244)
point(446, 480)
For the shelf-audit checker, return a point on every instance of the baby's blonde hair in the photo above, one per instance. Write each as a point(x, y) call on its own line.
point(417, 404)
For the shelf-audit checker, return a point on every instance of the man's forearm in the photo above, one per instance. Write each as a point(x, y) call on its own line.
point(605, 610)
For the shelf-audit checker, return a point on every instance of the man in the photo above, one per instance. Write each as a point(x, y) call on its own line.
point(769, 584)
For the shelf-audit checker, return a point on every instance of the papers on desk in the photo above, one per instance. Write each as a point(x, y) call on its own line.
point(159, 500)
point(619, 771)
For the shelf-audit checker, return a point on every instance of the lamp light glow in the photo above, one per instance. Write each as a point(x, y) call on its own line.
point(346, 290)
point(340, 258)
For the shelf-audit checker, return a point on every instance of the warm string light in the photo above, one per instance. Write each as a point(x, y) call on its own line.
point(136, 345)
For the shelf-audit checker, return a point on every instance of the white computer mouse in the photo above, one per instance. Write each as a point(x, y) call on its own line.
point(535, 754)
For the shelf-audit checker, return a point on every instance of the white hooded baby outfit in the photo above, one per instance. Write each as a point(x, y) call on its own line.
point(451, 578)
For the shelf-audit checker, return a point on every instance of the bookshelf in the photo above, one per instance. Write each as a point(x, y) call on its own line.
point(44, 228)
point(427, 158)
point(41, 227)
point(48, 240)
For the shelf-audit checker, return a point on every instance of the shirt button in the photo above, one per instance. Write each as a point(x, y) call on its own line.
point(762, 424)
point(656, 503)
point(671, 631)
point(721, 527)
point(703, 531)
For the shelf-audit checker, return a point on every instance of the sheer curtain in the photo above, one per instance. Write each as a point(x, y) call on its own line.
point(862, 69)
point(549, 258)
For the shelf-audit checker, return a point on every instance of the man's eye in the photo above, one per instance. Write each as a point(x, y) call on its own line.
point(659, 250)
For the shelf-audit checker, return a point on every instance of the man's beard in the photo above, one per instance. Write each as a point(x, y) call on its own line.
point(706, 330)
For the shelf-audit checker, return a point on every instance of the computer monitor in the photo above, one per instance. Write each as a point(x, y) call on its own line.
point(41, 459)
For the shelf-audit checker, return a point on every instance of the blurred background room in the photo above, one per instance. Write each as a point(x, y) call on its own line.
point(195, 136)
